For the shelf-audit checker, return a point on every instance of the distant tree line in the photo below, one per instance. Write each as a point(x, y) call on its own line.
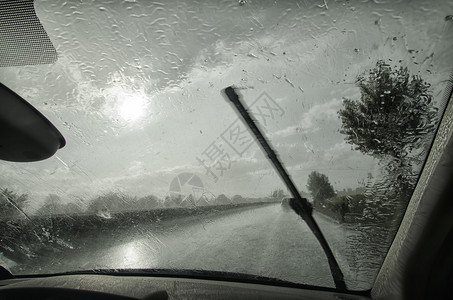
point(12, 205)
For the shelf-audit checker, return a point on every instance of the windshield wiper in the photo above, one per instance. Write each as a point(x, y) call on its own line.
point(192, 274)
point(300, 205)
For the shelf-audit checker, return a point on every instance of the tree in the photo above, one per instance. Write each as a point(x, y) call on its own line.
point(147, 202)
point(112, 201)
point(320, 188)
point(73, 208)
point(188, 201)
point(393, 115)
point(278, 193)
point(304, 194)
point(238, 199)
point(175, 200)
point(391, 121)
point(52, 206)
point(222, 199)
point(11, 204)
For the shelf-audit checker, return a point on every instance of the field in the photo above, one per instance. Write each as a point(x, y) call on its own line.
point(343, 209)
point(24, 239)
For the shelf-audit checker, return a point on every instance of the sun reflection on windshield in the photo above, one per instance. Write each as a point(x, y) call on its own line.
point(131, 255)
point(132, 107)
point(134, 255)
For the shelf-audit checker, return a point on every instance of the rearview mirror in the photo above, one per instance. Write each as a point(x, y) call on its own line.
point(25, 134)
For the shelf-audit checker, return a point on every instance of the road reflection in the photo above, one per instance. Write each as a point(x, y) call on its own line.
point(266, 241)
point(134, 254)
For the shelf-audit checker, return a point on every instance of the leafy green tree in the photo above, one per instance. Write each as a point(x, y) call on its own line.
point(391, 121)
point(319, 187)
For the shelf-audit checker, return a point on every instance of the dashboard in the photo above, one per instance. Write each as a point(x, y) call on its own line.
point(95, 287)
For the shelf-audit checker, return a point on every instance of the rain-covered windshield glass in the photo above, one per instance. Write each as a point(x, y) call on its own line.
point(159, 171)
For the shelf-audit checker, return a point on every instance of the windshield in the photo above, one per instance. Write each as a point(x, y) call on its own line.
point(160, 172)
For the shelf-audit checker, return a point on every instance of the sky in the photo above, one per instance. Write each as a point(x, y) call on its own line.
point(136, 90)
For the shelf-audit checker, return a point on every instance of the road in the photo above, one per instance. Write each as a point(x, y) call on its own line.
point(266, 241)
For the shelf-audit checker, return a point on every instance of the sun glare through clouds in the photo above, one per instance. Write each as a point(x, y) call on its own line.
point(132, 108)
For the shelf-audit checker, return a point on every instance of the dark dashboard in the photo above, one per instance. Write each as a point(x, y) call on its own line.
point(137, 287)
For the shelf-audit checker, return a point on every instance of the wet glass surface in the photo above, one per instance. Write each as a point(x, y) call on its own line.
point(136, 91)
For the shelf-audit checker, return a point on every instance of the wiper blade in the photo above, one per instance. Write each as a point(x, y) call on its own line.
point(300, 205)
point(192, 274)
point(5, 273)
point(180, 273)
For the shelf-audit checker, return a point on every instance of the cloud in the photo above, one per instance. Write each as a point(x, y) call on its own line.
point(87, 88)
point(314, 119)
point(288, 131)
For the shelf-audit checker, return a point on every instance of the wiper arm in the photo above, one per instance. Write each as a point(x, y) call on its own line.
point(300, 205)
point(192, 274)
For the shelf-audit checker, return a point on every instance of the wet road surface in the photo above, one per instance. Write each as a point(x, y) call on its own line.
point(266, 241)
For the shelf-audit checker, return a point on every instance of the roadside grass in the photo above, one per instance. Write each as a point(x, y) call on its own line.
point(22, 240)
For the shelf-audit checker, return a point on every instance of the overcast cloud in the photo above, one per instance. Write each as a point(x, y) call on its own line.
point(136, 90)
